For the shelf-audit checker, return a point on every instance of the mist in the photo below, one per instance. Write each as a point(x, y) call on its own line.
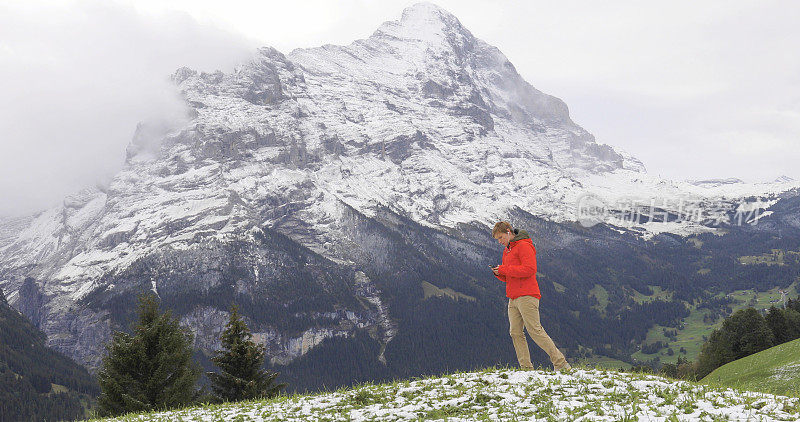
point(76, 78)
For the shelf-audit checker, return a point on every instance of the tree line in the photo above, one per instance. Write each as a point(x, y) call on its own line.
point(151, 368)
point(37, 382)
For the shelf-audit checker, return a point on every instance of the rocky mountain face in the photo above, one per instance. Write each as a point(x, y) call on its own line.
point(318, 189)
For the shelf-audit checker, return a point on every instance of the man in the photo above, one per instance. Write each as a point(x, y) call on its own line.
point(518, 271)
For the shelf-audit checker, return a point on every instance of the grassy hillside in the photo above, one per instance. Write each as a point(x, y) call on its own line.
point(775, 370)
point(693, 329)
point(499, 393)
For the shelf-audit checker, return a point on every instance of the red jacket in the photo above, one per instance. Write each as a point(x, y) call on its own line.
point(518, 269)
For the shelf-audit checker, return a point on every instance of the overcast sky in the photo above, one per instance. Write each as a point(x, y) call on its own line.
point(694, 89)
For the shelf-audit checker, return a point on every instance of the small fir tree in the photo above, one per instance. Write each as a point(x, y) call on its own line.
point(150, 369)
point(240, 361)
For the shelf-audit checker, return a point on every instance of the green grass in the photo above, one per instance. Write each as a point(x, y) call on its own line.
point(775, 257)
point(601, 294)
point(658, 294)
point(761, 300)
point(604, 362)
point(689, 336)
point(58, 388)
point(775, 370)
point(694, 327)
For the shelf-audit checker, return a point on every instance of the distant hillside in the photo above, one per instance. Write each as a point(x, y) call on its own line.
point(507, 394)
point(36, 382)
point(775, 370)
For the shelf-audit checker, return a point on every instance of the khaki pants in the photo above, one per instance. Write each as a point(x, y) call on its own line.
point(525, 310)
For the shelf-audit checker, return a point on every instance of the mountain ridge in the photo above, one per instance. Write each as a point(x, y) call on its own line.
point(326, 168)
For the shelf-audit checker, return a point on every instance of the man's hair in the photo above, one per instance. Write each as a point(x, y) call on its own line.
point(501, 227)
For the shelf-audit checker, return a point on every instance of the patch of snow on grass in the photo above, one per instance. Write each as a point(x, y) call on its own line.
point(509, 394)
point(786, 372)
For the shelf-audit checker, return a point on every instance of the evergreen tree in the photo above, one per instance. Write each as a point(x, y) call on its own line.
point(792, 324)
point(715, 353)
point(749, 332)
point(686, 370)
point(240, 362)
point(742, 334)
point(151, 369)
point(793, 304)
point(776, 320)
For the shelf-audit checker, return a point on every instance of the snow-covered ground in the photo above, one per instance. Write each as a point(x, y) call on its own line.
point(510, 394)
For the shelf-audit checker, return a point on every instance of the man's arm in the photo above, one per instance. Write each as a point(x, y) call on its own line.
point(527, 255)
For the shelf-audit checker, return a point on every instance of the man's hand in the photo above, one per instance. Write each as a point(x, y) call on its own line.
point(495, 270)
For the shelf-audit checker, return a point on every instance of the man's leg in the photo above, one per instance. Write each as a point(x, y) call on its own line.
point(529, 309)
point(515, 323)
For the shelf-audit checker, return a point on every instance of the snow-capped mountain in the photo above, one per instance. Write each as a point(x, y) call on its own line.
point(286, 162)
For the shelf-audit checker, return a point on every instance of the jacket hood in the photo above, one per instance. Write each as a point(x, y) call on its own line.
point(520, 234)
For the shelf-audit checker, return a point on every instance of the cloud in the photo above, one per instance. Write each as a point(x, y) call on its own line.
point(693, 89)
point(76, 78)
